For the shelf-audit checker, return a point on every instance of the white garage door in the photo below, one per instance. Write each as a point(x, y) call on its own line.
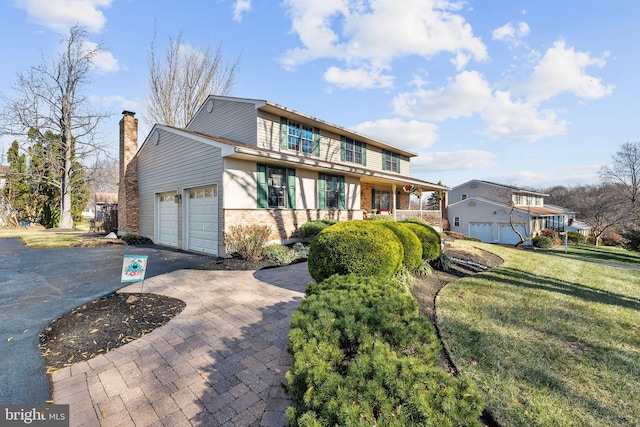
point(482, 231)
point(508, 236)
point(168, 220)
point(203, 219)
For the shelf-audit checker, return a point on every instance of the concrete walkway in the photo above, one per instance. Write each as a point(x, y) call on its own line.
point(221, 362)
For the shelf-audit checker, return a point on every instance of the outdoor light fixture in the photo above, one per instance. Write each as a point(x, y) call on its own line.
point(178, 197)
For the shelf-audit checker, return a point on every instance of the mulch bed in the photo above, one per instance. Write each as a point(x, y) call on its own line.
point(102, 325)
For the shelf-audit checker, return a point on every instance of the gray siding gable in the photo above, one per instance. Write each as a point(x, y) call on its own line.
point(228, 118)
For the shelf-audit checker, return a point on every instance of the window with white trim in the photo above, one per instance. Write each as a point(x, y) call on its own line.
point(300, 137)
point(456, 221)
point(390, 161)
point(353, 151)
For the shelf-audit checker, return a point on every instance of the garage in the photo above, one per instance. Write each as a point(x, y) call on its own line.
point(508, 237)
point(202, 214)
point(167, 219)
point(482, 231)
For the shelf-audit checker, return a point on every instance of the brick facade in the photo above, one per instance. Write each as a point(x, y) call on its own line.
point(284, 223)
point(365, 196)
point(128, 185)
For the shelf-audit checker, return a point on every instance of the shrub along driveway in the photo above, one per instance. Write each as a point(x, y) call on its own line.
point(40, 285)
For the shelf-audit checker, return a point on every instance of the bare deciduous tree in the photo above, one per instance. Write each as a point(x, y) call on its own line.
point(624, 173)
point(180, 81)
point(600, 206)
point(102, 175)
point(50, 101)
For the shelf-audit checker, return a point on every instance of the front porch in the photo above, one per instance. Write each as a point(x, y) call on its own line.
point(403, 200)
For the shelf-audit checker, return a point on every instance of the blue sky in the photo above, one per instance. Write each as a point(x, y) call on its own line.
point(530, 93)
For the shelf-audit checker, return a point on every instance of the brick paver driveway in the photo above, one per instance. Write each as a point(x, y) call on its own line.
point(221, 362)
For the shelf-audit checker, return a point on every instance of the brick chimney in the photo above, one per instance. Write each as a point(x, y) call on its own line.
point(128, 185)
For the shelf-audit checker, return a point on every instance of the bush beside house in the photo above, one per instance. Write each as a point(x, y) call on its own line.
point(365, 248)
point(429, 237)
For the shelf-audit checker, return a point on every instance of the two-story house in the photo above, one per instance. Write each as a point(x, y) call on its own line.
point(490, 212)
point(248, 161)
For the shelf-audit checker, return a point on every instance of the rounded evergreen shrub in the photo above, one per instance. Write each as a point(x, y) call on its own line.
point(576, 238)
point(543, 242)
point(312, 228)
point(363, 248)
point(552, 234)
point(280, 254)
point(430, 239)
point(410, 243)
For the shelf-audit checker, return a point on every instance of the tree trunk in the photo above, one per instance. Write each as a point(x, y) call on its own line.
point(66, 221)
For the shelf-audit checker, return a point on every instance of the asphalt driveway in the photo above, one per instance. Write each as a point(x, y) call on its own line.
point(40, 285)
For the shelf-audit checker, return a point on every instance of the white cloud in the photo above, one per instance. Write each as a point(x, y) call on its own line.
point(240, 7)
point(570, 176)
point(358, 78)
point(123, 102)
point(519, 121)
point(103, 60)
point(60, 15)
point(514, 112)
point(563, 70)
point(467, 94)
point(510, 34)
point(410, 135)
point(371, 34)
point(452, 160)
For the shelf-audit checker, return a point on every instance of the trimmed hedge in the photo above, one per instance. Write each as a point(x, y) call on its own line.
point(410, 243)
point(363, 356)
point(364, 248)
point(312, 228)
point(543, 242)
point(430, 239)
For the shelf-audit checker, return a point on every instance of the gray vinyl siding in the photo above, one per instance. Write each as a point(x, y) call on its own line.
point(174, 164)
point(233, 120)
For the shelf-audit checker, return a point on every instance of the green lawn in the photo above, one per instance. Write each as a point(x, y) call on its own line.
point(551, 341)
point(599, 253)
point(40, 238)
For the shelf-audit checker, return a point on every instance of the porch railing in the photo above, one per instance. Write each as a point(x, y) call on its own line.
point(433, 217)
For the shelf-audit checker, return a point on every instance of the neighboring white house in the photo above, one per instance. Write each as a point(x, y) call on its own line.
point(248, 161)
point(490, 212)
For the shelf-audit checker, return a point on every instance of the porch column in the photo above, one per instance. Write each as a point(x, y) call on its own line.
point(393, 200)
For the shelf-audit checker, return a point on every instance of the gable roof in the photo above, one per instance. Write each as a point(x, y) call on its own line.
point(282, 111)
point(510, 187)
point(537, 210)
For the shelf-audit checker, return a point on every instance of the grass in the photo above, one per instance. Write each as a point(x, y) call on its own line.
point(599, 253)
point(41, 238)
point(550, 341)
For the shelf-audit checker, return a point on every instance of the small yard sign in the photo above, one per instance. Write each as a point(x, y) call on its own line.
point(133, 268)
